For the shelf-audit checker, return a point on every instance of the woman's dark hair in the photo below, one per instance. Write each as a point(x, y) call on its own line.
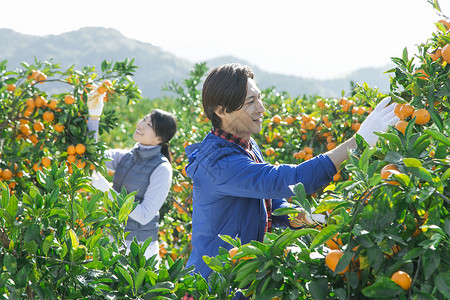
point(165, 126)
point(225, 86)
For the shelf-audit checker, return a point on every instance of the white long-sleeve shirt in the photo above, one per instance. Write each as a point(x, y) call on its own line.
point(159, 182)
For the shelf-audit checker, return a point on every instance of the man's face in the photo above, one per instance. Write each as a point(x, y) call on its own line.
point(247, 120)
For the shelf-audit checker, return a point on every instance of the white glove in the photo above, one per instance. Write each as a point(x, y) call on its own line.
point(378, 121)
point(100, 182)
point(95, 102)
point(316, 218)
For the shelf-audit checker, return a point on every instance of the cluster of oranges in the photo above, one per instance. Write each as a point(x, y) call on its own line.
point(407, 111)
point(442, 54)
point(75, 156)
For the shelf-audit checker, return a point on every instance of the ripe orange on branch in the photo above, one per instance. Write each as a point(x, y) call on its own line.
point(69, 99)
point(48, 116)
point(446, 53)
point(401, 125)
point(7, 174)
point(402, 279)
point(422, 116)
point(80, 149)
point(332, 260)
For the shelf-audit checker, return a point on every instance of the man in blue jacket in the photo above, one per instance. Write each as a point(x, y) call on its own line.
point(234, 190)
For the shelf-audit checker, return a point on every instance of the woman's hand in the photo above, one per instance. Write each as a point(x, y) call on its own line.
point(95, 103)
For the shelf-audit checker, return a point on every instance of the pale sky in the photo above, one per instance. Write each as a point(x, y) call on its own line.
point(309, 38)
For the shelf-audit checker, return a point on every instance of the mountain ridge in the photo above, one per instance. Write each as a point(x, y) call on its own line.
point(89, 46)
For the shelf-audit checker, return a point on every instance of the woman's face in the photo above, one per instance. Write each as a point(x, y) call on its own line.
point(145, 134)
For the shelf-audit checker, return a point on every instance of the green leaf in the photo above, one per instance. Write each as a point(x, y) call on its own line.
point(422, 173)
point(139, 279)
point(438, 136)
point(442, 282)
point(48, 242)
point(365, 157)
point(383, 288)
point(324, 235)
point(412, 162)
point(213, 263)
point(405, 55)
point(437, 6)
point(393, 138)
point(74, 239)
point(299, 191)
point(125, 274)
point(414, 253)
point(285, 211)
point(430, 262)
point(126, 209)
point(13, 206)
point(251, 250)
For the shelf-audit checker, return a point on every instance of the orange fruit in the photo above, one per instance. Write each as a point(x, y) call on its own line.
point(80, 149)
point(7, 174)
point(333, 244)
point(308, 150)
point(52, 104)
point(30, 103)
point(401, 125)
point(270, 151)
point(11, 87)
point(445, 23)
point(310, 125)
point(320, 104)
point(38, 126)
point(337, 176)
point(356, 126)
point(39, 101)
point(402, 279)
point(177, 188)
point(104, 87)
point(71, 158)
point(345, 107)
point(361, 110)
point(45, 161)
point(332, 259)
point(71, 149)
point(33, 138)
point(342, 101)
point(331, 146)
point(276, 119)
point(436, 54)
point(59, 127)
point(424, 75)
point(40, 77)
point(308, 156)
point(69, 99)
point(33, 74)
point(81, 164)
point(446, 53)
point(405, 111)
point(388, 170)
point(422, 116)
point(289, 120)
point(48, 116)
point(25, 129)
point(301, 154)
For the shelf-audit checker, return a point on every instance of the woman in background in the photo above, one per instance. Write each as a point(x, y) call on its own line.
point(146, 169)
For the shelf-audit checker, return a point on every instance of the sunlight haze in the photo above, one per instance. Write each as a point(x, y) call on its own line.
point(313, 39)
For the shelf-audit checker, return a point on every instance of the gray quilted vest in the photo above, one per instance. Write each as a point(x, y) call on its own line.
point(133, 172)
